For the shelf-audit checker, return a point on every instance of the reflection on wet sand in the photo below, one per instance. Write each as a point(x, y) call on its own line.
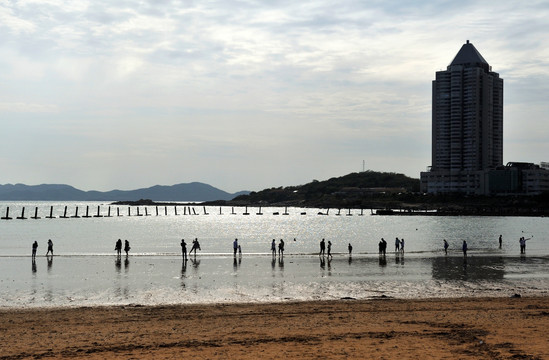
point(468, 268)
point(382, 260)
point(118, 264)
point(49, 258)
point(183, 272)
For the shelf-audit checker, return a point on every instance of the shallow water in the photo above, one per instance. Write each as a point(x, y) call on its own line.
point(85, 270)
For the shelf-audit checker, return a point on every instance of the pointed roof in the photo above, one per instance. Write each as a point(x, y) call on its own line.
point(469, 55)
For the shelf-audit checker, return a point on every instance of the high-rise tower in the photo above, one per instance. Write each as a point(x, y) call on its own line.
point(467, 125)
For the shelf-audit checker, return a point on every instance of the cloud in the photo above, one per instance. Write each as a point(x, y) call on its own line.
point(279, 91)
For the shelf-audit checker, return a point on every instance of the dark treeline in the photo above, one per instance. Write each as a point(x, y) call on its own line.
point(381, 190)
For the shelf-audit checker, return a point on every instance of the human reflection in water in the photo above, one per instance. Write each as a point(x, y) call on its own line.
point(399, 258)
point(33, 266)
point(118, 264)
point(273, 263)
point(183, 273)
point(195, 262)
point(322, 262)
point(236, 263)
point(350, 259)
point(382, 260)
point(126, 264)
point(281, 262)
point(50, 262)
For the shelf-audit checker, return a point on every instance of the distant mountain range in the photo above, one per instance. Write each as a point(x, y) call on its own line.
point(194, 191)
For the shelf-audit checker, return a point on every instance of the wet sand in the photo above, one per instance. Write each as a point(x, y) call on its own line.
point(469, 328)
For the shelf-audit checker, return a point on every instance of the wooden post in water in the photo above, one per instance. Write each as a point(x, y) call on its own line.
point(259, 211)
point(129, 211)
point(194, 212)
point(220, 212)
point(246, 211)
point(156, 210)
point(7, 217)
point(64, 213)
point(361, 212)
point(118, 211)
point(76, 213)
point(35, 213)
point(147, 212)
point(98, 211)
point(51, 213)
point(22, 217)
point(166, 210)
point(87, 212)
point(175, 207)
point(138, 214)
point(232, 211)
point(205, 212)
point(349, 214)
point(286, 211)
point(109, 212)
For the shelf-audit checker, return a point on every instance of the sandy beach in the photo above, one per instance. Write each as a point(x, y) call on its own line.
point(465, 328)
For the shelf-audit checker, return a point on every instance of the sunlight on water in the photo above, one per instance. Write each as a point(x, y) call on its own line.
point(85, 270)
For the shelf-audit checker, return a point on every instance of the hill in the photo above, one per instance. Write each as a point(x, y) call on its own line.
point(352, 190)
point(194, 191)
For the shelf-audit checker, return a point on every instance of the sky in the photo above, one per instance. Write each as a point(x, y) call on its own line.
point(248, 95)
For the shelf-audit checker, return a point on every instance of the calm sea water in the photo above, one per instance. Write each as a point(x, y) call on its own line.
point(85, 270)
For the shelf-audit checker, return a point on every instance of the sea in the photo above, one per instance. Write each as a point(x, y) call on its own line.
point(85, 270)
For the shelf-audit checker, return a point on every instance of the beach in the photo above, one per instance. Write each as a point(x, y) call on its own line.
point(451, 328)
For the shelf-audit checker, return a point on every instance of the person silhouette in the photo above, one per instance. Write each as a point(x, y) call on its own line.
point(118, 247)
point(183, 249)
point(196, 246)
point(235, 247)
point(273, 247)
point(126, 247)
point(350, 247)
point(445, 246)
point(322, 248)
point(329, 249)
point(34, 247)
point(50, 247)
point(281, 248)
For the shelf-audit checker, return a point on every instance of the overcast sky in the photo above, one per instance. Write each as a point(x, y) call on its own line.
point(247, 95)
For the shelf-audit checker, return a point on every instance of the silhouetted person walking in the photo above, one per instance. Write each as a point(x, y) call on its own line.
point(273, 247)
point(126, 247)
point(322, 248)
point(500, 240)
point(235, 247)
point(118, 247)
point(281, 248)
point(184, 249)
point(34, 247)
point(329, 249)
point(196, 246)
point(464, 248)
point(350, 247)
point(445, 246)
point(50, 247)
